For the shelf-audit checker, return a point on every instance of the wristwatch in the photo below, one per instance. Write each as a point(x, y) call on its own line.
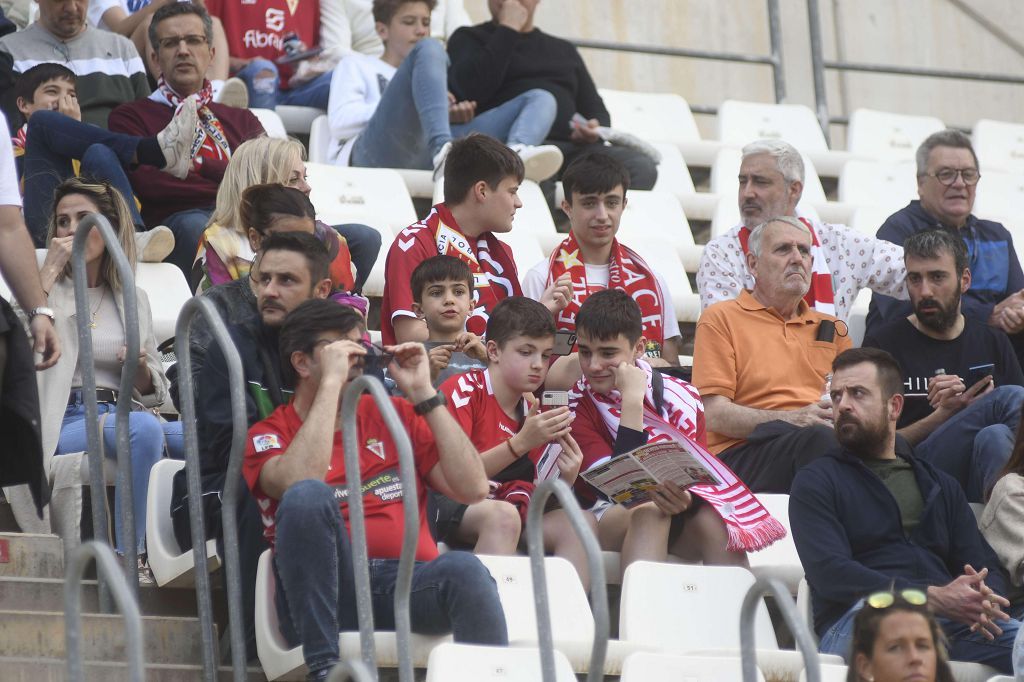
point(429, 404)
point(42, 310)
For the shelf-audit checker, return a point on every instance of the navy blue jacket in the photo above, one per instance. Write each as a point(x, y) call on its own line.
point(995, 270)
point(848, 532)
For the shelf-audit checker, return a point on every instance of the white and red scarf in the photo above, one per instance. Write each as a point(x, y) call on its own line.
point(820, 296)
point(210, 141)
point(748, 523)
point(627, 271)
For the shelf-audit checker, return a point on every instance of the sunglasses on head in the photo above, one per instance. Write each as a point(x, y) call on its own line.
point(883, 600)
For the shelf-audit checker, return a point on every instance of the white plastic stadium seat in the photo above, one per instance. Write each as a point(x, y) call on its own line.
point(466, 663)
point(168, 292)
point(674, 177)
point(171, 567)
point(868, 219)
point(666, 263)
point(535, 218)
point(888, 137)
point(885, 185)
point(999, 145)
point(972, 672)
point(999, 194)
point(648, 667)
point(280, 661)
point(297, 120)
point(373, 196)
point(657, 215)
point(319, 139)
point(829, 673)
point(858, 319)
point(271, 122)
point(779, 560)
point(374, 284)
point(526, 250)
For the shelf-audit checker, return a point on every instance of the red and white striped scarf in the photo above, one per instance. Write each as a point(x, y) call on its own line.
point(820, 296)
point(748, 523)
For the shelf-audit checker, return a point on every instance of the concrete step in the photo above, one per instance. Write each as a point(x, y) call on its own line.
point(55, 670)
point(47, 594)
point(34, 635)
point(24, 554)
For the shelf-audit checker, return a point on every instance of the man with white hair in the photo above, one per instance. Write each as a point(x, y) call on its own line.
point(762, 361)
point(771, 181)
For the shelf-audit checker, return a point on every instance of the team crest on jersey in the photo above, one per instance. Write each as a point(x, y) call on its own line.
point(376, 447)
point(266, 441)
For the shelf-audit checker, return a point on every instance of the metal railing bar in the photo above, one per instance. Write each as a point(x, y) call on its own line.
point(923, 71)
point(410, 535)
point(595, 564)
point(193, 307)
point(636, 48)
point(775, 41)
point(86, 363)
point(748, 613)
point(107, 570)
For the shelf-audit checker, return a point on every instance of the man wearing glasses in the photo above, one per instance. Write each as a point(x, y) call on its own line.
point(873, 516)
point(947, 179)
point(107, 65)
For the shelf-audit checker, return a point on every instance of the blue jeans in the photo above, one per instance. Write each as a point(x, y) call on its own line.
point(316, 589)
point(188, 227)
point(410, 124)
point(53, 140)
point(146, 439)
point(964, 645)
point(363, 247)
point(265, 91)
point(974, 444)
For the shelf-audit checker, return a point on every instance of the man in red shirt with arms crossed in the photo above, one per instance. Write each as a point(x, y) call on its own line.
point(295, 466)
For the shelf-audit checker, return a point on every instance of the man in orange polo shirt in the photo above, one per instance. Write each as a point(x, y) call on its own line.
point(762, 362)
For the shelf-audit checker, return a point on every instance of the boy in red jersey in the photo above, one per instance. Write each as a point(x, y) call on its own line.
point(294, 465)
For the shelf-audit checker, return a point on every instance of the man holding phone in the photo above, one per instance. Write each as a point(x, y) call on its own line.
point(962, 378)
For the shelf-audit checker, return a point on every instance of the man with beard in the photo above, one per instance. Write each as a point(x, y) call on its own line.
point(771, 181)
point(962, 381)
point(761, 363)
point(872, 518)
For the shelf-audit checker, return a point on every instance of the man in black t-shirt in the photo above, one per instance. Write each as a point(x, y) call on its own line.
point(962, 379)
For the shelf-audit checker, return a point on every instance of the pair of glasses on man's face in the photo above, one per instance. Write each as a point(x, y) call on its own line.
point(883, 600)
point(947, 176)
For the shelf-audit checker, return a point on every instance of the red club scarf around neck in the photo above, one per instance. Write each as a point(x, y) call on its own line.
point(627, 271)
point(820, 296)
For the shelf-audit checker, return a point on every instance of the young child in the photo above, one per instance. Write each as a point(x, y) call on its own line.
point(481, 179)
point(621, 404)
point(406, 89)
point(44, 86)
point(491, 406)
point(442, 292)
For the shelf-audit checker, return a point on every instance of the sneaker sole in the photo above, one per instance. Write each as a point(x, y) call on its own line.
point(542, 166)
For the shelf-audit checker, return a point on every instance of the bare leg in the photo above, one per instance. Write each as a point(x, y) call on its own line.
point(561, 540)
point(646, 537)
point(705, 538)
point(492, 526)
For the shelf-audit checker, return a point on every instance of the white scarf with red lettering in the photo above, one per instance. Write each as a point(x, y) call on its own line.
point(748, 523)
point(820, 296)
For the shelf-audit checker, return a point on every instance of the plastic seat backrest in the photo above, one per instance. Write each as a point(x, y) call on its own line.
point(373, 196)
point(740, 123)
point(887, 136)
point(465, 663)
point(651, 667)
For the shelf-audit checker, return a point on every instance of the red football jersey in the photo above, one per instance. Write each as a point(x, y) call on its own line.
point(378, 455)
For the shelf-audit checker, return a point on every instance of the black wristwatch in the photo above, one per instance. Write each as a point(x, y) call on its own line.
point(429, 404)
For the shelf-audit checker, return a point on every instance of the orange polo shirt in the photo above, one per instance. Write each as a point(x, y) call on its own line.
point(749, 354)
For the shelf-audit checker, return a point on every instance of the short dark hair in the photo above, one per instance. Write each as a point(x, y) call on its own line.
point(439, 269)
point(302, 325)
point(260, 205)
point(609, 313)
point(890, 377)
point(474, 158)
point(594, 173)
point(519, 316)
point(178, 9)
point(307, 245)
point(933, 243)
point(384, 10)
point(26, 84)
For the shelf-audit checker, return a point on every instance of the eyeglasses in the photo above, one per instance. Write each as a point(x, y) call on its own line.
point(947, 176)
point(376, 356)
point(883, 600)
point(191, 40)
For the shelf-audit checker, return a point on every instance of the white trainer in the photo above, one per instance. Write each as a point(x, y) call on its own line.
point(176, 139)
point(540, 162)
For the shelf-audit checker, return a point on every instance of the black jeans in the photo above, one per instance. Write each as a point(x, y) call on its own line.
point(770, 457)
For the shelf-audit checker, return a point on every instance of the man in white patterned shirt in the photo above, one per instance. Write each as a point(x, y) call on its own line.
point(771, 182)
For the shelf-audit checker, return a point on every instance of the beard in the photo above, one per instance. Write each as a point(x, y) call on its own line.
point(865, 439)
point(943, 317)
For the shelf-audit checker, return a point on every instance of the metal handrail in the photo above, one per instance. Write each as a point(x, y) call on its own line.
point(87, 367)
point(194, 307)
point(410, 535)
point(748, 612)
point(356, 671)
point(107, 569)
point(595, 563)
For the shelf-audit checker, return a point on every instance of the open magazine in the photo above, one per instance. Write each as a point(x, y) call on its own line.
point(626, 479)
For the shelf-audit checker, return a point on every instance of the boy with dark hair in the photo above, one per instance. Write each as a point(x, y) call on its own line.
point(496, 408)
point(442, 291)
point(621, 404)
point(481, 181)
point(295, 467)
point(595, 197)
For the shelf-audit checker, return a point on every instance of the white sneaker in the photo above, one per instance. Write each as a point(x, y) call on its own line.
point(439, 158)
point(233, 93)
point(176, 139)
point(154, 245)
point(540, 162)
